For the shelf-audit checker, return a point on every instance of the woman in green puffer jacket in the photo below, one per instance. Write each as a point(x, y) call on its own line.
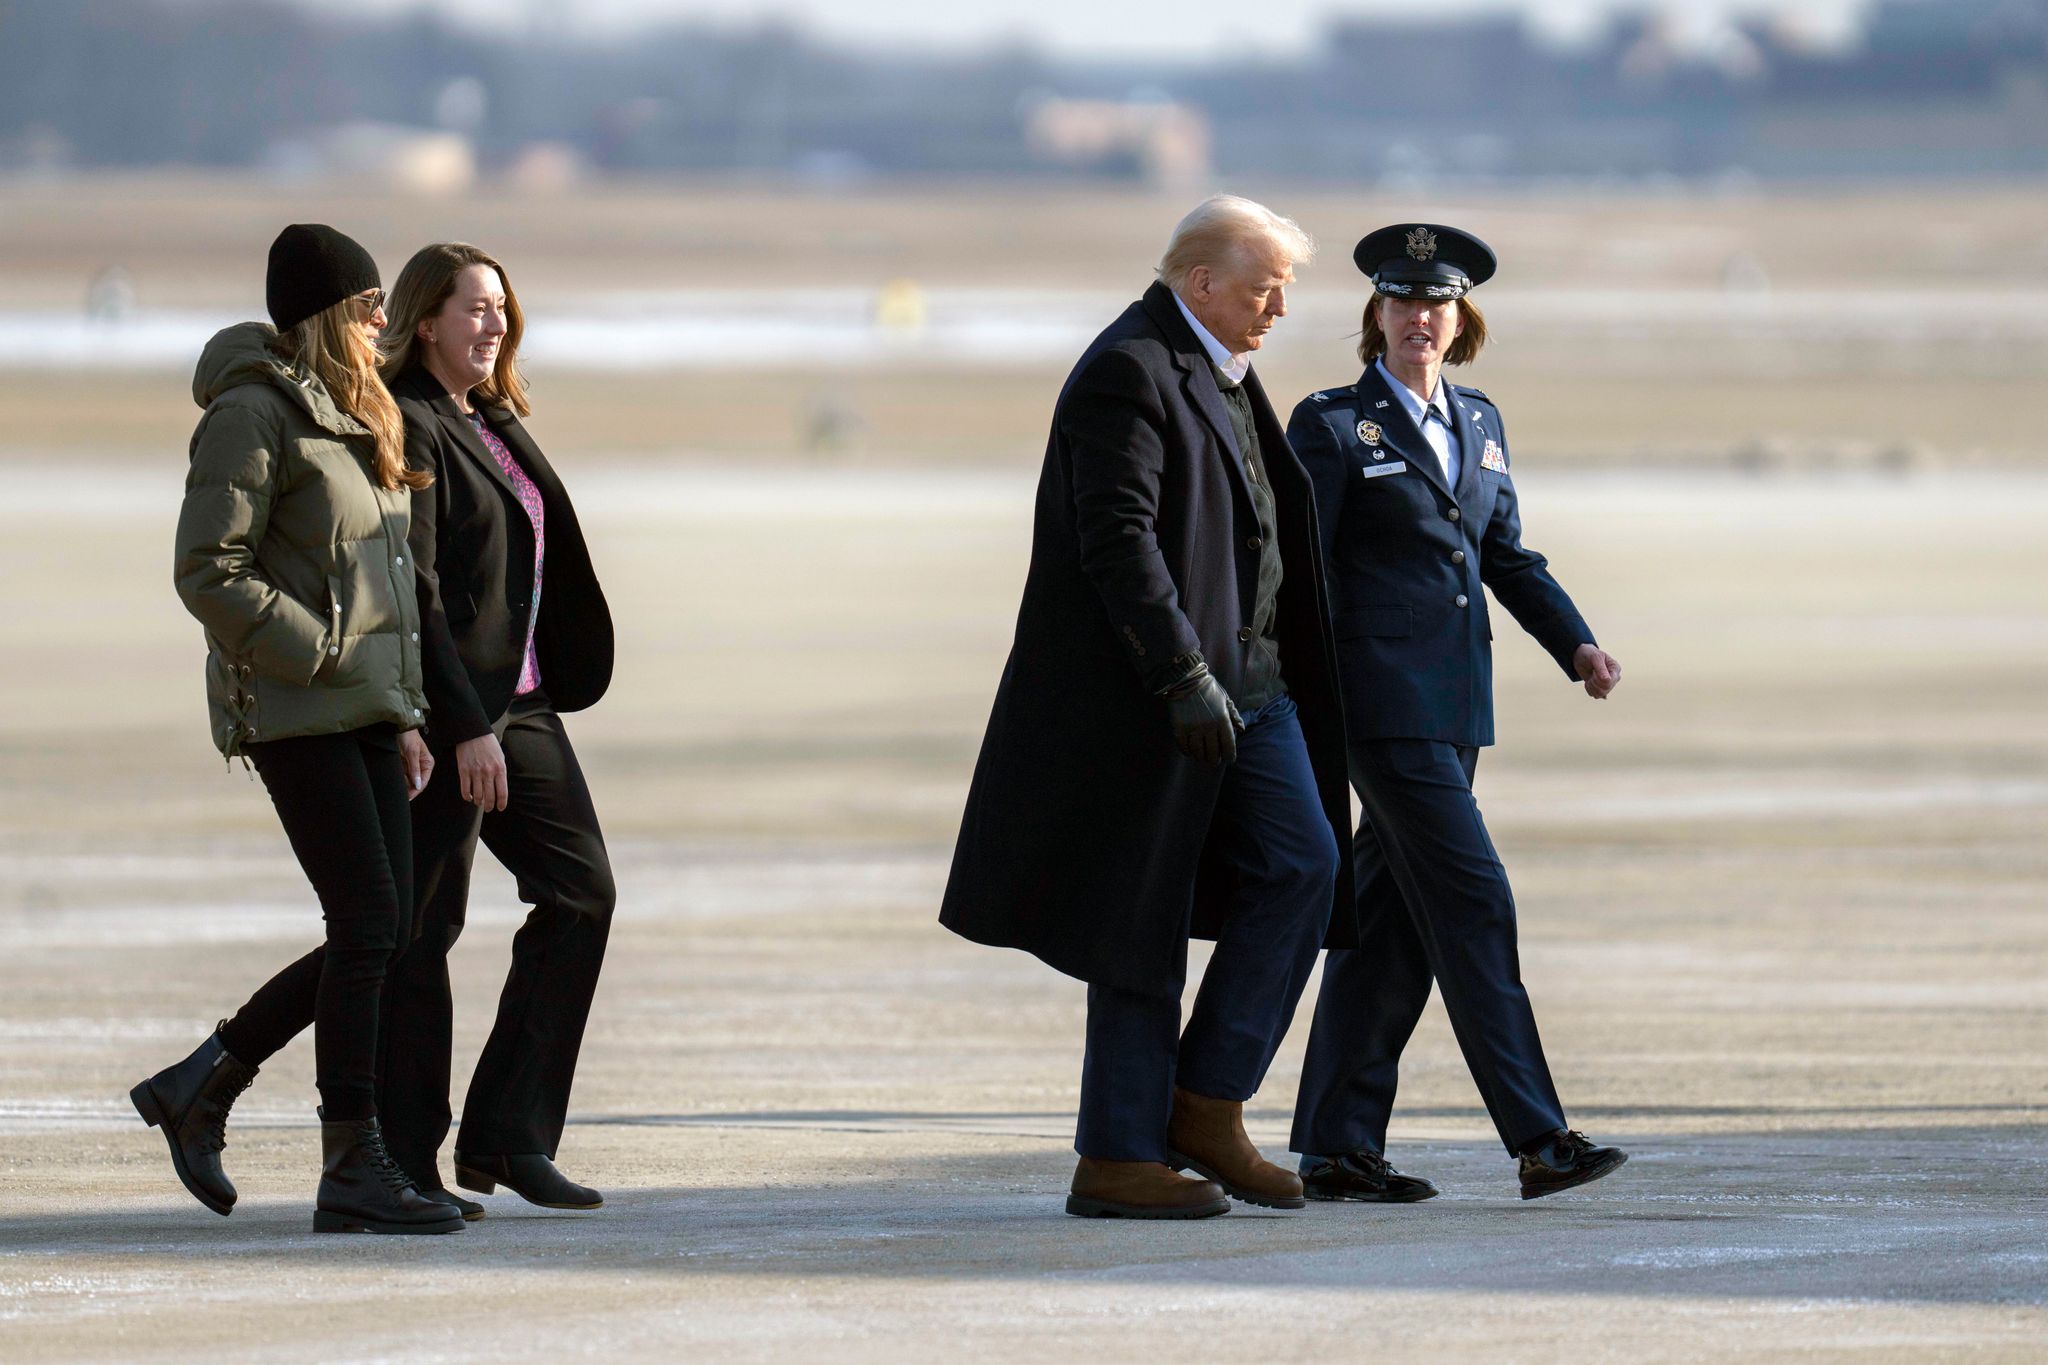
point(292, 554)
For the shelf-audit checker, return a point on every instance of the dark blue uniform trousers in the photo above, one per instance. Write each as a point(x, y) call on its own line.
point(1433, 901)
point(1270, 825)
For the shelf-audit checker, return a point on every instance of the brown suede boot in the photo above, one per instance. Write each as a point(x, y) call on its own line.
point(1207, 1136)
point(1140, 1189)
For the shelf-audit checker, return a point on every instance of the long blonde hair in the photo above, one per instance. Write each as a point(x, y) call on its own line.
point(333, 348)
point(425, 284)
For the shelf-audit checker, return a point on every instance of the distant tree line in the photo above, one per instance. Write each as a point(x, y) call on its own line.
point(132, 83)
point(126, 83)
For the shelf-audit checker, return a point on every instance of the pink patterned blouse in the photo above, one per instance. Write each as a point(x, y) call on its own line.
point(529, 498)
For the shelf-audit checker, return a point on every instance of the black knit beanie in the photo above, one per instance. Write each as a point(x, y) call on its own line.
point(313, 267)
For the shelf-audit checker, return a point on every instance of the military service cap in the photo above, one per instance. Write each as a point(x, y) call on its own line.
point(1424, 261)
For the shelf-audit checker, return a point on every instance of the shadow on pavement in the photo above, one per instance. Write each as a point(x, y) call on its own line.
point(1894, 1215)
point(943, 1119)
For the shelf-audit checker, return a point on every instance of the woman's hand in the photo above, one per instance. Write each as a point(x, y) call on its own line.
point(1598, 670)
point(481, 764)
point(418, 760)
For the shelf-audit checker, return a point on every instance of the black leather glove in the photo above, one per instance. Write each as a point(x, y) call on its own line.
point(1205, 720)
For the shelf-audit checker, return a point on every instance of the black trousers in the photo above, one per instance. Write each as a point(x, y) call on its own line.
point(1433, 904)
point(1270, 824)
point(342, 801)
point(548, 838)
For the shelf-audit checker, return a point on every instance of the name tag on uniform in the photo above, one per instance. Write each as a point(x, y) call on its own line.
point(1374, 471)
point(1492, 459)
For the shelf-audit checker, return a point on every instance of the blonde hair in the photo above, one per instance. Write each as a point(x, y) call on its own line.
point(424, 286)
point(1222, 226)
point(332, 347)
point(1465, 347)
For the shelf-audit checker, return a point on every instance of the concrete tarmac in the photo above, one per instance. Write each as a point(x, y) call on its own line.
point(1782, 921)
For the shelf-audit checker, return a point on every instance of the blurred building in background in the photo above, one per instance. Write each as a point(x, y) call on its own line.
point(415, 160)
point(1925, 88)
point(1157, 141)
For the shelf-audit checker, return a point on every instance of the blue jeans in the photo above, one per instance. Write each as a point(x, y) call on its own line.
point(1270, 826)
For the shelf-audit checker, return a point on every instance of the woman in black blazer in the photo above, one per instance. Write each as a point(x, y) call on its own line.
point(515, 632)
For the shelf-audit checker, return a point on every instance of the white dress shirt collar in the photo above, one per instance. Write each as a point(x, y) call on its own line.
point(1233, 366)
point(1440, 435)
point(1418, 408)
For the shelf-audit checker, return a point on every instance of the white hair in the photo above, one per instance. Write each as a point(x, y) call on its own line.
point(1221, 227)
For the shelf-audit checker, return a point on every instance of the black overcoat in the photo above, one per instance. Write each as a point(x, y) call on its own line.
point(472, 548)
point(1086, 828)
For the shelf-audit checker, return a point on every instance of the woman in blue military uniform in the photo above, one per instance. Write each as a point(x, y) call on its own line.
point(1417, 512)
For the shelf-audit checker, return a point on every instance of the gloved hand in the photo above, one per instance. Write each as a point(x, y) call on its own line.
point(1205, 720)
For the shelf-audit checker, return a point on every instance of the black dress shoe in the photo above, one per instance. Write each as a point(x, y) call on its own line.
point(1565, 1160)
point(432, 1188)
point(1362, 1177)
point(441, 1194)
point(529, 1175)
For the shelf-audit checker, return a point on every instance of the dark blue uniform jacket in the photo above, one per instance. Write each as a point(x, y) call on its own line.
point(1406, 557)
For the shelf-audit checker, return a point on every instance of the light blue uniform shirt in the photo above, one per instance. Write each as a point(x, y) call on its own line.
point(1434, 419)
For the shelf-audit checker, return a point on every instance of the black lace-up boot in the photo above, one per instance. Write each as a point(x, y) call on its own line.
point(190, 1103)
point(363, 1190)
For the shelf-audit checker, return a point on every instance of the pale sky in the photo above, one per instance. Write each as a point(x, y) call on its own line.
point(1109, 28)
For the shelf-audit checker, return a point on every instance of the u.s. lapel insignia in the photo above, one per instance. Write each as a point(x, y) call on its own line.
point(1369, 432)
point(1382, 403)
point(1491, 458)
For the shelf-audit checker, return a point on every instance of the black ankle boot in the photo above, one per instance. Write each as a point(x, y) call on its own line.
point(363, 1190)
point(190, 1103)
point(529, 1175)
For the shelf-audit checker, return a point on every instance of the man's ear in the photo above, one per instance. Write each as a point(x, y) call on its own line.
point(1199, 280)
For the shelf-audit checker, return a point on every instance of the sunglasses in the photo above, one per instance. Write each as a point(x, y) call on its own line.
point(367, 303)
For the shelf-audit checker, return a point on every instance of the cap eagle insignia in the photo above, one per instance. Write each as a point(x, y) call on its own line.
point(1422, 244)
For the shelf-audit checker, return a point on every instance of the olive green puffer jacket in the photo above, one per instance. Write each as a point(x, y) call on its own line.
point(292, 557)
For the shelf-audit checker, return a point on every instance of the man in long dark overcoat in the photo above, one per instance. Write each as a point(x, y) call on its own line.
point(1166, 755)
